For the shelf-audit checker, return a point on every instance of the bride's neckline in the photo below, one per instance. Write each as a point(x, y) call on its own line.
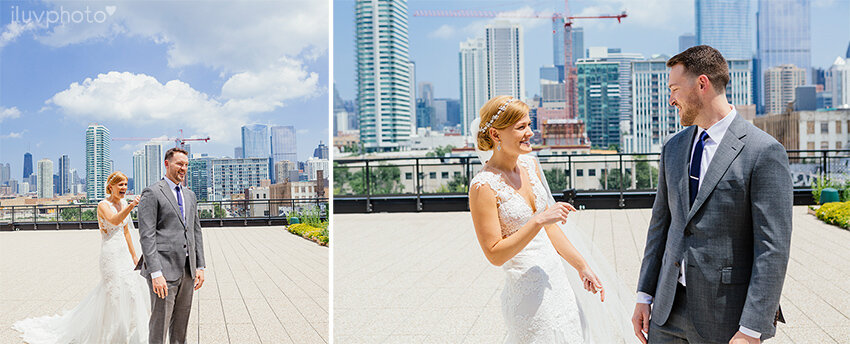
point(522, 170)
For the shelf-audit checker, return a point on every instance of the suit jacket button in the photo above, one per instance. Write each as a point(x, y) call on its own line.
point(184, 246)
point(688, 232)
point(676, 264)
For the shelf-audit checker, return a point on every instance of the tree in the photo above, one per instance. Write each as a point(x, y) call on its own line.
point(440, 151)
point(89, 215)
point(69, 214)
point(459, 183)
point(645, 175)
point(219, 212)
point(205, 214)
point(557, 179)
point(341, 177)
point(614, 180)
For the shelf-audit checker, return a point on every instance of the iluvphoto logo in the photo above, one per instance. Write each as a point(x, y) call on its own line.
point(46, 18)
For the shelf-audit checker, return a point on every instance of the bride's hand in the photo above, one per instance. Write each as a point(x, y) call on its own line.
point(135, 201)
point(591, 283)
point(558, 212)
point(135, 260)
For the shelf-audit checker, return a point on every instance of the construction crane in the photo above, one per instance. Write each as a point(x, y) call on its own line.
point(178, 141)
point(569, 89)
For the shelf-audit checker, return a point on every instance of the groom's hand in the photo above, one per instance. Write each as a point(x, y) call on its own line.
point(741, 338)
point(640, 321)
point(160, 288)
point(199, 278)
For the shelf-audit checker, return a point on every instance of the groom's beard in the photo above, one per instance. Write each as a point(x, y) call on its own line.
point(689, 111)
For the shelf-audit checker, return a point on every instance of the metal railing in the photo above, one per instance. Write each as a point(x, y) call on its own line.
point(85, 215)
point(618, 174)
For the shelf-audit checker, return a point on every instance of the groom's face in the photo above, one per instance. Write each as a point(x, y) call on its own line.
point(684, 95)
point(176, 167)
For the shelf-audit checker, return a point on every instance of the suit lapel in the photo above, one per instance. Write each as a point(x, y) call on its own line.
point(166, 191)
point(726, 153)
point(682, 157)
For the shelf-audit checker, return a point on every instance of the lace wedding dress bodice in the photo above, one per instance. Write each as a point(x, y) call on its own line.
point(537, 301)
point(117, 310)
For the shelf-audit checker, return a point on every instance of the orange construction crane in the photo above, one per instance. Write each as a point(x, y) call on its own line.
point(568, 45)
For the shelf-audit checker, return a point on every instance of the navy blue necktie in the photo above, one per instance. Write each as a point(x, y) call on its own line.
point(696, 160)
point(180, 202)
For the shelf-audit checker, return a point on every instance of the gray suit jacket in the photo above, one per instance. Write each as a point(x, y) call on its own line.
point(735, 239)
point(165, 238)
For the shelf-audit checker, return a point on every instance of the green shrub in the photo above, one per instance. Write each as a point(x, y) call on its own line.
point(836, 213)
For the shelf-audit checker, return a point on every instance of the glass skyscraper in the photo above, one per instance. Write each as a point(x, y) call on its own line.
point(140, 172)
point(384, 74)
point(64, 175)
point(473, 81)
point(45, 179)
point(27, 165)
point(505, 60)
point(98, 161)
point(725, 26)
point(255, 141)
point(598, 98)
point(784, 36)
point(283, 143)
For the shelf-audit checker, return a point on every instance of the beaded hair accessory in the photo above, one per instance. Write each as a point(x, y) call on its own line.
point(501, 109)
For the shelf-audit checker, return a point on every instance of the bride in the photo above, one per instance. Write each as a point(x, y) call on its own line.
point(519, 227)
point(118, 309)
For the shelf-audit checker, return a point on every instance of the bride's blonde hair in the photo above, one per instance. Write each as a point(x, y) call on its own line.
point(509, 110)
point(113, 179)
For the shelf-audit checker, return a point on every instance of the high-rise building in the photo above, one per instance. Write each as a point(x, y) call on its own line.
point(783, 36)
point(283, 143)
point(314, 165)
point(383, 74)
point(98, 160)
point(577, 35)
point(686, 41)
point(285, 170)
point(45, 179)
point(154, 162)
point(598, 98)
point(5, 173)
point(553, 95)
point(739, 90)
point(505, 60)
point(255, 141)
point(725, 26)
point(199, 174)
point(779, 85)
point(424, 113)
point(321, 151)
point(653, 118)
point(340, 114)
point(140, 172)
point(75, 182)
point(237, 152)
point(27, 165)
point(838, 83)
point(473, 80)
point(233, 176)
point(64, 175)
point(446, 113)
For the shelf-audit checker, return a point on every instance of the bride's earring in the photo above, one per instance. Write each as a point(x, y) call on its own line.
point(499, 145)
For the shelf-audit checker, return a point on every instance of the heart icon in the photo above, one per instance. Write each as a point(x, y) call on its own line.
point(110, 9)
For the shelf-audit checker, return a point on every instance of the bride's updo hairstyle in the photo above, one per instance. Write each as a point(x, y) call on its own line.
point(113, 179)
point(509, 111)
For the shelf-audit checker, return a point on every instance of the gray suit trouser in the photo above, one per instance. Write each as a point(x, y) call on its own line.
point(171, 315)
point(679, 328)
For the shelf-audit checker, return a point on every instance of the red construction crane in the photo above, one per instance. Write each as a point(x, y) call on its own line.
point(568, 45)
point(178, 141)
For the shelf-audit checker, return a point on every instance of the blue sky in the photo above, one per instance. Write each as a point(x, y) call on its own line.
point(652, 27)
point(150, 68)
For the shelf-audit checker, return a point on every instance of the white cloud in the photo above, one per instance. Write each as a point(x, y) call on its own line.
point(302, 131)
point(9, 113)
point(444, 31)
point(233, 36)
point(659, 14)
point(267, 89)
point(142, 100)
point(13, 30)
point(13, 135)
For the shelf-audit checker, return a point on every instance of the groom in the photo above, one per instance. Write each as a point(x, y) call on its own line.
point(718, 240)
point(173, 248)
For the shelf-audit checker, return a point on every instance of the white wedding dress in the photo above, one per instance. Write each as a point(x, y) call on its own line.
point(116, 311)
point(538, 303)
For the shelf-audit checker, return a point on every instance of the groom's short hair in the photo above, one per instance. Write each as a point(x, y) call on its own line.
point(704, 60)
point(169, 153)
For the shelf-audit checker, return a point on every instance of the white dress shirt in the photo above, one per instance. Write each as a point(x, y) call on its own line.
point(182, 200)
point(715, 136)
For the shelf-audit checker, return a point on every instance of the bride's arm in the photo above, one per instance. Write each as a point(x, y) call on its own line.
point(129, 239)
point(485, 218)
point(107, 213)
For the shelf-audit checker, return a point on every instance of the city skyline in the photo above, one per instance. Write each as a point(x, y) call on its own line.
point(649, 29)
point(154, 68)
